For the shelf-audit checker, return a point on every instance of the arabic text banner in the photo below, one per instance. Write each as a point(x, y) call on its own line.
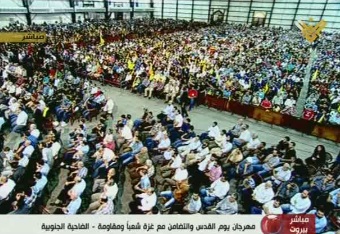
point(151, 224)
point(23, 37)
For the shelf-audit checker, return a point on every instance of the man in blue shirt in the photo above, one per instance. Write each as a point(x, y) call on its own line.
point(128, 157)
point(72, 207)
point(335, 197)
point(144, 182)
point(320, 220)
point(40, 183)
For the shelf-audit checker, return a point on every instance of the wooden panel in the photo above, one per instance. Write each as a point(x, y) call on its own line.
point(328, 132)
point(267, 116)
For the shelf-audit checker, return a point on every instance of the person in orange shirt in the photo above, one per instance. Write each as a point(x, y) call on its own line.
point(177, 196)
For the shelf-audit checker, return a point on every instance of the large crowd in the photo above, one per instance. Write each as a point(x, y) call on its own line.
point(323, 102)
point(46, 89)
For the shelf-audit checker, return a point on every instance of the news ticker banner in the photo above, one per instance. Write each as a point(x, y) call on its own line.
point(22, 37)
point(158, 224)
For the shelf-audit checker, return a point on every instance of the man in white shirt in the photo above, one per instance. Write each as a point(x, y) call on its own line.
point(254, 142)
point(180, 175)
point(194, 205)
point(79, 186)
point(192, 144)
point(11, 88)
point(224, 145)
point(213, 132)
point(108, 108)
point(108, 154)
point(203, 151)
point(72, 207)
point(110, 191)
point(178, 121)
point(162, 158)
point(7, 157)
point(205, 163)
point(77, 189)
point(34, 131)
point(299, 204)
point(7, 186)
point(272, 207)
point(217, 191)
point(245, 136)
point(125, 135)
point(227, 205)
point(147, 201)
point(167, 170)
point(13, 106)
point(47, 153)
point(94, 89)
point(290, 102)
point(2, 121)
point(163, 144)
point(28, 150)
point(281, 174)
point(263, 193)
point(168, 110)
point(21, 120)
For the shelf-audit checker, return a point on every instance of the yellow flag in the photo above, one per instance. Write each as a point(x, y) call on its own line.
point(102, 41)
point(315, 75)
point(131, 65)
point(321, 119)
point(266, 88)
point(204, 65)
point(45, 112)
point(151, 72)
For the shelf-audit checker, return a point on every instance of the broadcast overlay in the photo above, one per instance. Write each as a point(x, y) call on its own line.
point(246, 224)
point(22, 37)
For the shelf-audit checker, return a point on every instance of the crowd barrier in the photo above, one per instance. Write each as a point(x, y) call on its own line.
point(329, 132)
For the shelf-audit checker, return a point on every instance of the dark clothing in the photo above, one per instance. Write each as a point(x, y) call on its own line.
point(184, 98)
point(282, 146)
point(38, 117)
point(290, 153)
point(316, 160)
point(134, 207)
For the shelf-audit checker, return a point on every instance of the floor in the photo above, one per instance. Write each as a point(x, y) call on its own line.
point(202, 118)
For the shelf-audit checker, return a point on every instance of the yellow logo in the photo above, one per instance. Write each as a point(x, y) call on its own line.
point(311, 32)
point(23, 37)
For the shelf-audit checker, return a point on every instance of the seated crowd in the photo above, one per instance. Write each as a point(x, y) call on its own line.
point(254, 66)
point(323, 102)
point(37, 109)
point(169, 166)
point(261, 69)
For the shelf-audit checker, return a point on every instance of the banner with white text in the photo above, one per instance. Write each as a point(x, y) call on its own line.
point(154, 224)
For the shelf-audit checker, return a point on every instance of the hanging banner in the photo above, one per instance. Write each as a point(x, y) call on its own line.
point(23, 37)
